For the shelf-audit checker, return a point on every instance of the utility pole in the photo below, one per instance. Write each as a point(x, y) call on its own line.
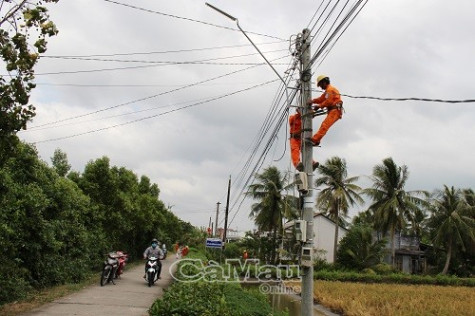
point(216, 225)
point(226, 214)
point(307, 159)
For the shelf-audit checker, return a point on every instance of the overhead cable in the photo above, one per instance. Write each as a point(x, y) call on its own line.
point(156, 115)
point(187, 19)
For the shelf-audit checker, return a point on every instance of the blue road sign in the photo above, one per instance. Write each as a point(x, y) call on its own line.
point(214, 243)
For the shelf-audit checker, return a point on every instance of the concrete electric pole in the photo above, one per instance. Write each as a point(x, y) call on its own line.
point(226, 214)
point(307, 159)
point(216, 222)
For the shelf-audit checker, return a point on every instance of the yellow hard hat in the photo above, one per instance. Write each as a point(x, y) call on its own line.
point(320, 78)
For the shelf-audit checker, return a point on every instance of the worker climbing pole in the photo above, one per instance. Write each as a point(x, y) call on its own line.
point(329, 100)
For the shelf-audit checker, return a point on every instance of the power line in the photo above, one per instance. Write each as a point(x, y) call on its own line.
point(89, 58)
point(161, 52)
point(187, 19)
point(129, 85)
point(145, 98)
point(411, 99)
point(156, 115)
point(150, 66)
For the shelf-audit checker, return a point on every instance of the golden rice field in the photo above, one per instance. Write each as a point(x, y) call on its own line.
point(394, 299)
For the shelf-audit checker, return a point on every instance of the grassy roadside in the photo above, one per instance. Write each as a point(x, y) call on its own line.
point(40, 297)
point(393, 299)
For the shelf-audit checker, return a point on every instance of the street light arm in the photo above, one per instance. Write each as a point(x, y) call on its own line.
point(278, 75)
point(221, 11)
point(249, 39)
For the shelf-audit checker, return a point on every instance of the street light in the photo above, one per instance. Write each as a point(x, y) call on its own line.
point(237, 23)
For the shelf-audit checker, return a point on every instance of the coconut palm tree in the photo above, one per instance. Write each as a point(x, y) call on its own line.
point(392, 205)
point(452, 220)
point(338, 193)
point(272, 206)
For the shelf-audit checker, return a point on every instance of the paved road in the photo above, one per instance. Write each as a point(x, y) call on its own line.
point(129, 296)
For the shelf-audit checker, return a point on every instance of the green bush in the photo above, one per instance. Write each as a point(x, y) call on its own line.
point(210, 299)
point(369, 271)
point(383, 269)
point(232, 251)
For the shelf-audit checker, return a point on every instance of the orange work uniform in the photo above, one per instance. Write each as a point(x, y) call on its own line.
point(295, 122)
point(330, 99)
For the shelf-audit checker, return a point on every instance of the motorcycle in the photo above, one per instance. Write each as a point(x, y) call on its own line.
point(109, 268)
point(122, 257)
point(153, 268)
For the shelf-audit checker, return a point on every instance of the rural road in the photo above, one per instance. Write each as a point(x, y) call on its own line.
point(129, 296)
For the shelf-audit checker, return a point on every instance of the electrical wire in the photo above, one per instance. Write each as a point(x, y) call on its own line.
point(146, 98)
point(162, 64)
point(157, 62)
point(156, 115)
point(162, 52)
point(411, 99)
point(325, 42)
point(188, 19)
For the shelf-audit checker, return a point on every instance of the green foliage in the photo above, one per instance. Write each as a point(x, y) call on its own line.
point(60, 162)
point(393, 207)
point(24, 28)
point(55, 230)
point(383, 269)
point(453, 222)
point(358, 250)
point(232, 250)
point(272, 206)
point(210, 299)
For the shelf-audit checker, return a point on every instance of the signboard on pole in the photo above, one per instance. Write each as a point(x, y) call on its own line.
point(214, 243)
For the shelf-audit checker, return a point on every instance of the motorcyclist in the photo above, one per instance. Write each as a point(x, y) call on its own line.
point(153, 251)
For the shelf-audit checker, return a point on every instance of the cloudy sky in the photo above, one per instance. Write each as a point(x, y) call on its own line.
point(117, 81)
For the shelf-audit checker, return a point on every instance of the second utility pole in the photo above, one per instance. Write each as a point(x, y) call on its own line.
point(226, 214)
point(216, 222)
point(307, 158)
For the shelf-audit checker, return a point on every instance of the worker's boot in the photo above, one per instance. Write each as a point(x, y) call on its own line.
point(299, 167)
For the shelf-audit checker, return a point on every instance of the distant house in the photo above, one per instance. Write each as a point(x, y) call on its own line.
point(232, 235)
point(410, 254)
point(323, 235)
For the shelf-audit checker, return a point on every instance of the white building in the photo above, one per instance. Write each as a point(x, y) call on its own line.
point(323, 236)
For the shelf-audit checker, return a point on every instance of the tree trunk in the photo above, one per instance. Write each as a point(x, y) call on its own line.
point(335, 242)
point(274, 244)
point(393, 248)
point(449, 256)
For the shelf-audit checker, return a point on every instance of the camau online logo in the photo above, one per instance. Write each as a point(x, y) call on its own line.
point(249, 271)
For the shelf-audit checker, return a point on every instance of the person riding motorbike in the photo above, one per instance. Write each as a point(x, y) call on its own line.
point(153, 251)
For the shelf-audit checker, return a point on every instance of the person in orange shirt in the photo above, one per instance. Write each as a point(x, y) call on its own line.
point(295, 123)
point(245, 255)
point(332, 101)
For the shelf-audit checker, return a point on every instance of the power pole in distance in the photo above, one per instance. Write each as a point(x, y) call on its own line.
point(216, 222)
point(226, 214)
point(307, 159)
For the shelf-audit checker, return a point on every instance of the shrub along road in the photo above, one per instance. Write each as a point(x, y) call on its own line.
point(129, 296)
